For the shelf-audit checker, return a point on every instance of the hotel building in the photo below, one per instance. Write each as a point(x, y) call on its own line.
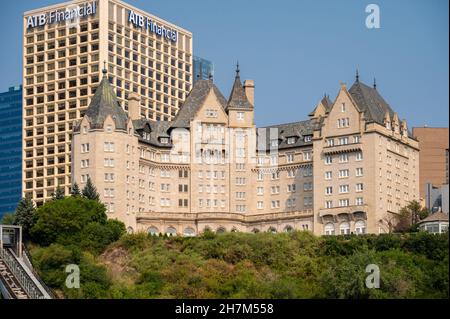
point(348, 168)
point(64, 49)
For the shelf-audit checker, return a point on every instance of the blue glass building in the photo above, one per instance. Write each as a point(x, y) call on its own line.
point(10, 149)
point(202, 69)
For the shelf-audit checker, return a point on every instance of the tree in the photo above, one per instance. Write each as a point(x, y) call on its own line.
point(90, 191)
point(75, 190)
point(76, 221)
point(409, 217)
point(25, 215)
point(58, 194)
point(8, 219)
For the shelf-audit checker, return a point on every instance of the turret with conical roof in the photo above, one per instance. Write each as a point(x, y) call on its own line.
point(238, 98)
point(104, 104)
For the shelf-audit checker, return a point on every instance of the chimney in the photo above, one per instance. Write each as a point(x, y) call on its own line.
point(134, 112)
point(249, 88)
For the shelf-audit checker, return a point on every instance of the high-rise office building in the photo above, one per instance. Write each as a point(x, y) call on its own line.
point(10, 149)
point(65, 46)
point(203, 69)
point(433, 163)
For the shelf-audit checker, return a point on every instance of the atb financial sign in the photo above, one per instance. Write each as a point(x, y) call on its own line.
point(69, 14)
point(139, 21)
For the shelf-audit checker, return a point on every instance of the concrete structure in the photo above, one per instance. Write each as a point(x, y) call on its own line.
point(10, 149)
point(436, 223)
point(64, 49)
point(434, 161)
point(347, 169)
point(203, 69)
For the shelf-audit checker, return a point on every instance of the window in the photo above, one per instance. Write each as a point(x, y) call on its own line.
point(108, 146)
point(359, 156)
point(359, 201)
point(329, 229)
point(328, 175)
point(109, 162)
point(359, 171)
point(344, 189)
point(260, 205)
point(240, 116)
point(291, 188)
point(328, 190)
point(84, 163)
point(275, 204)
point(291, 140)
point(308, 186)
point(330, 142)
point(109, 177)
point(343, 158)
point(344, 173)
point(329, 204)
point(344, 228)
point(291, 203)
point(343, 108)
point(343, 123)
point(85, 148)
point(328, 160)
point(343, 140)
point(290, 157)
point(307, 201)
point(308, 138)
point(344, 203)
point(211, 113)
point(359, 187)
point(356, 139)
point(360, 227)
point(307, 156)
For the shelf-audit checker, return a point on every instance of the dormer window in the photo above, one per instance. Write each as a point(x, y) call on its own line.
point(308, 138)
point(108, 128)
point(291, 140)
point(164, 140)
point(240, 116)
point(211, 113)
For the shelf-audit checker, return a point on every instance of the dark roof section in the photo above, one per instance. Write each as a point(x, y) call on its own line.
point(194, 101)
point(105, 103)
point(327, 104)
point(297, 129)
point(238, 98)
point(370, 102)
point(156, 131)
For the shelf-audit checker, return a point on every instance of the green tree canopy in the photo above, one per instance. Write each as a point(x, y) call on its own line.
point(409, 216)
point(25, 215)
point(58, 194)
point(90, 191)
point(75, 190)
point(75, 221)
point(7, 219)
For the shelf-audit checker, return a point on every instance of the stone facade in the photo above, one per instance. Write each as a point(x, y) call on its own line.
point(346, 169)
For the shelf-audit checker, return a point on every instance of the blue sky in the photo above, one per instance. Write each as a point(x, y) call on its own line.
point(297, 50)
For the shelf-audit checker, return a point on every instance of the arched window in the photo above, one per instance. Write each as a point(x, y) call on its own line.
point(360, 227)
point(272, 230)
point(288, 229)
point(220, 230)
point(189, 232)
point(153, 231)
point(130, 230)
point(170, 231)
point(344, 228)
point(329, 229)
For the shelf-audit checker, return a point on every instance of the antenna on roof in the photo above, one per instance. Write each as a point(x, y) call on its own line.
point(375, 83)
point(357, 75)
point(210, 76)
point(237, 68)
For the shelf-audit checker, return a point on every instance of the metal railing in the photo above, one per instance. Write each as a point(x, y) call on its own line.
point(19, 273)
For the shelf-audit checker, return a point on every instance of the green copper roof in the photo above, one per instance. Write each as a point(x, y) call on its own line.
point(104, 104)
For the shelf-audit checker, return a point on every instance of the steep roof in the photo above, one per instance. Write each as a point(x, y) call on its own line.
point(157, 129)
point(370, 102)
point(238, 98)
point(326, 102)
point(105, 103)
point(297, 129)
point(194, 101)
